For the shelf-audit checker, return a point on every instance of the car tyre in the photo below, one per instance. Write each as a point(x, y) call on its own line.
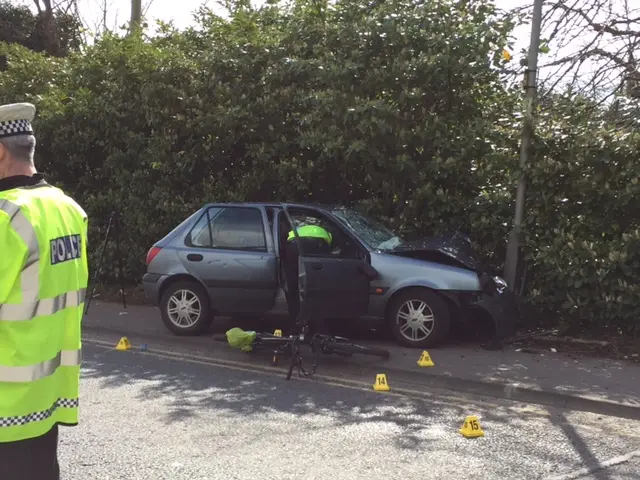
point(185, 308)
point(415, 312)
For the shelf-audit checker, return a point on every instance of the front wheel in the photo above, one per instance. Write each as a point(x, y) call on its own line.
point(185, 309)
point(419, 318)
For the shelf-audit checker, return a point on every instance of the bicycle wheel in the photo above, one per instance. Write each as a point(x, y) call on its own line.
point(351, 348)
point(295, 362)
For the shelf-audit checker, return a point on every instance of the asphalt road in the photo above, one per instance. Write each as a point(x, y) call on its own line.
point(144, 416)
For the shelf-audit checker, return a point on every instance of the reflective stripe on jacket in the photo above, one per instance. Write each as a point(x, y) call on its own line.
point(43, 281)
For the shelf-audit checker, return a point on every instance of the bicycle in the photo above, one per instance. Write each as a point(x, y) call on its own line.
point(318, 342)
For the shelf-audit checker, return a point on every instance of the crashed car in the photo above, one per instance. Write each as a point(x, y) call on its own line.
point(225, 260)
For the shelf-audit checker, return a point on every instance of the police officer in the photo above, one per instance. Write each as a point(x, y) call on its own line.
point(43, 281)
point(314, 239)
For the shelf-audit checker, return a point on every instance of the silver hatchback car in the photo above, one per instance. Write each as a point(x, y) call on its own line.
point(225, 260)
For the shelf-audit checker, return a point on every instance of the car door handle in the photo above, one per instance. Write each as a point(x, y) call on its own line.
point(194, 257)
point(317, 266)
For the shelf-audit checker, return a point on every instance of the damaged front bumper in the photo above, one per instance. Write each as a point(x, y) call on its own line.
point(504, 311)
point(497, 305)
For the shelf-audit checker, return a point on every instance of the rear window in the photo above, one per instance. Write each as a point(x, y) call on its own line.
point(230, 228)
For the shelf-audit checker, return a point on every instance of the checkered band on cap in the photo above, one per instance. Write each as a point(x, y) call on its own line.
point(15, 127)
point(39, 416)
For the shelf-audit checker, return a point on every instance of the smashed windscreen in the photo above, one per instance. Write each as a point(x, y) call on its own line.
point(373, 232)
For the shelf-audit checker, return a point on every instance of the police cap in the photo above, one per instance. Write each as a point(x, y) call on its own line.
point(16, 118)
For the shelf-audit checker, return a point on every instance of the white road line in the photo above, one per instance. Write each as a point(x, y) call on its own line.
point(441, 397)
point(600, 466)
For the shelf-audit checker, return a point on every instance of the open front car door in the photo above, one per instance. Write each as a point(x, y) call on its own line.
point(334, 280)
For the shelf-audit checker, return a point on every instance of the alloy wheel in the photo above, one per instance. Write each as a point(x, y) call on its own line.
point(184, 308)
point(416, 320)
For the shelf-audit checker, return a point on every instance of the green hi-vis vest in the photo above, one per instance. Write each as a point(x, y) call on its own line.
point(43, 282)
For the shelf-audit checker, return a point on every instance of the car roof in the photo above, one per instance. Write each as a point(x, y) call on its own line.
point(319, 206)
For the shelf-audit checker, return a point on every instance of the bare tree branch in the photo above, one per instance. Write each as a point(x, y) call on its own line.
point(145, 8)
point(586, 15)
point(593, 45)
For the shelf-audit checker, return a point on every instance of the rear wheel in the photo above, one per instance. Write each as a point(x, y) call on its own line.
point(185, 308)
point(419, 318)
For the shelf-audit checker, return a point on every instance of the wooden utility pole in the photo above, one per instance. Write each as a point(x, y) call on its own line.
point(136, 14)
point(515, 237)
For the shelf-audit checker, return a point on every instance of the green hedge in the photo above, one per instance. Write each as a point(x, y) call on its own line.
point(396, 107)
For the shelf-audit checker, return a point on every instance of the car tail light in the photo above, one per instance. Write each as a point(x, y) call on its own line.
point(151, 254)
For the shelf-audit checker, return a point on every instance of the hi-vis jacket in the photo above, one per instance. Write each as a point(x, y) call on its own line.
point(43, 281)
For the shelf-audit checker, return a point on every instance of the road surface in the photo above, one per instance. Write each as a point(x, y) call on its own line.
point(145, 416)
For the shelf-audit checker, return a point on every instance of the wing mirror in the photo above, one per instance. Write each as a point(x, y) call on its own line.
point(369, 271)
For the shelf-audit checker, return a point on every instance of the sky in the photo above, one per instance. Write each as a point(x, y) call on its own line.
point(119, 11)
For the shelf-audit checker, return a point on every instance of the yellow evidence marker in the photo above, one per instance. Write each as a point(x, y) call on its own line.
point(425, 360)
point(277, 333)
point(381, 384)
point(471, 427)
point(123, 344)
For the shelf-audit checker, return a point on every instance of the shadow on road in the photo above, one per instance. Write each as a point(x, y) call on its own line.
point(192, 395)
point(193, 391)
point(589, 459)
